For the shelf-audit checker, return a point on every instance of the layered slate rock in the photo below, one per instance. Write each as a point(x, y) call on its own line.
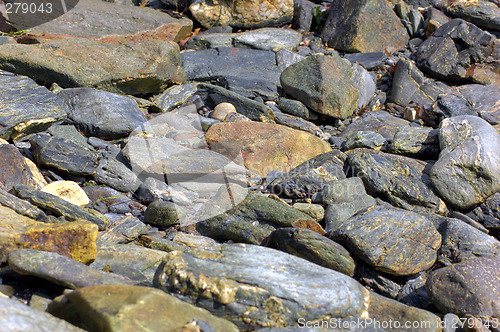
point(488, 212)
point(401, 180)
point(381, 122)
point(102, 114)
point(17, 169)
point(416, 142)
point(468, 169)
point(363, 26)
point(242, 13)
point(21, 206)
point(263, 146)
point(126, 308)
point(323, 83)
point(394, 241)
point(26, 106)
point(484, 14)
point(467, 288)
point(79, 62)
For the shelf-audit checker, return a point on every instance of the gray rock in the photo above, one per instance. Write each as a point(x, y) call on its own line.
point(303, 15)
point(208, 40)
point(163, 213)
point(484, 14)
point(413, 293)
point(376, 281)
point(124, 230)
point(285, 58)
point(102, 114)
point(467, 171)
point(69, 133)
point(416, 142)
point(17, 169)
point(295, 107)
point(21, 206)
point(365, 139)
point(488, 213)
point(175, 96)
point(364, 83)
point(268, 39)
point(26, 106)
point(296, 123)
point(392, 240)
point(368, 60)
point(115, 174)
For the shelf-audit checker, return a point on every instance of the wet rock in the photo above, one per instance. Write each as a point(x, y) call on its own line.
point(416, 142)
point(26, 106)
point(469, 287)
point(102, 114)
point(122, 308)
point(365, 139)
point(363, 26)
point(69, 191)
point(264, 146)
point(243, 14)
point(60, 270)
point(163, 213)
point(401, 180)
point(268, 39)
point(115, 174)
point(484, 14)
point(391, 240)
point(17, 169)
point(76, 240)
point(313, 247)
point(369, 60)
point(323, 83)
point(149, 66)
point(467, 171)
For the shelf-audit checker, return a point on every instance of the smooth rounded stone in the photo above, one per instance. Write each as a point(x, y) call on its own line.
point(468, 169)
point(149, 66)
point(401, 180)
point(369, 60)
point(470, 99)
point(243, 14)
point(364, 83)
point(69, 191)
point(484, 14)
point(381, 122)
point(268, 39)
point(18, 317)
point(59, 206)
point(410, 86)
point(323, 83)
point(21, 206)
point(115, 174)
point(63, 154)
point(297, 108)
point(439, 54)
point(174, 96)
point(26, 106)
point(365, 139)
point(316, 211)
point(123, 230)
point(264, 146)
point(229, 284)
point(363, 26)
point(314, 247)
point(394, 241)
point(222, 110)
point(131, 308)
point(60, 270)
point(296, 123)
point(17, 169)
point(102, 114)
point(153, 189)
point(162, 213)
point(467, 288)
point(416, 142)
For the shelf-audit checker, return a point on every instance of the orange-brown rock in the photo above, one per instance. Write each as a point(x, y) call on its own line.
point(17, 169)
point(264, 146)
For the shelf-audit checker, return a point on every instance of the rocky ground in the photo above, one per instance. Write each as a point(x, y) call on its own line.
point(270, 165)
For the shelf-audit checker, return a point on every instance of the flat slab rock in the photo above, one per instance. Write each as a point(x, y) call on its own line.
point(17, 169)
point(381, 122)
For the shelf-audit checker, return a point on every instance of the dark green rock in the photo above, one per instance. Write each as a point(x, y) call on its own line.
point(295, 107)
point(162, 213)
point(416, 142)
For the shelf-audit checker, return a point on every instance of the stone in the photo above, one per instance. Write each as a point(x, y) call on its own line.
point(394, 241)
point(435, 19)
point(382, 283)
point(484, 14)
point(21, 206)
point(370, 60)
point(316, 211)
point(268, 39)
point(323, 83)
point(401, 180)
point(208, 40)
point(60, 270)
point(16, 317)
point(174, 96)
point(150, 65)
point(303, 15)
point(115, 174)
point(59, 207)
point(26, 106)
point(265, 146)
point(297, 108)
point(365, 84)
point(243, 14)
point(102, 114)
point(296, 123)
point(467, 288)
point(313, 247)
point(222, 110)
point(76, 240)
point(153, 189)
point(363, 26)
point(126, 308)
point(411, 18)
point(488, 212)
point(467, 171)
point(162, 213)
point(123, 230)
point(69, 191)
point(70, 133)
point(17, 169)
point(365, 139)
point(416, 142)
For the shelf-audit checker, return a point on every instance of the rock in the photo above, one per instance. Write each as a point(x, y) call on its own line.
point(439, 55)
point(208, 40)
point(126, 308)
point(313, 247)
point(76, 240)
point(26, 106)
point(368, 60)
point(401, 180)
point(303, 15)
point(175, 96)
point(176, 241)
point(416, 142)
point(295, 107)
point(115, 174)
point(64, 155)
point(69, 191)
point(102, 114)
point(363, 26)
point(323, 83)
point(17, 169)
point(21, 206)
point(268, 39)
point(243, 14)
point(69, 133)
point(382, 283)
point(149, 66)
point(286, 58)
point(411, 18)
point(162, 213)
point(413, 293)
point(467, 171)
point(484, 14)
point(392, 240)
point(296, 123)
point(136, 24)
point(123, 231)
point(222, 110)
point(365, 139)
point(435, 19)
point(153, 189)
point(59, 206)
point(365, 84)
point(467, 288)
point(16, 317)
point(316, 211)
point(488, 212)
